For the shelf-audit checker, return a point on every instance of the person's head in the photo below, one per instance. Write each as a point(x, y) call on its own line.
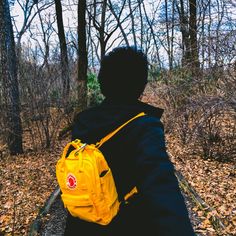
point(123, 73)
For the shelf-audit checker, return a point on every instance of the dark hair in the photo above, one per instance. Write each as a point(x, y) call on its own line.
point(123, 73)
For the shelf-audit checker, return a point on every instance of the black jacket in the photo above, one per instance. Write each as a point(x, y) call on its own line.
point(137, 157)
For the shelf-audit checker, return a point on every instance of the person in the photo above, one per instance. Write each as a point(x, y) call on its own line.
point(136, 155)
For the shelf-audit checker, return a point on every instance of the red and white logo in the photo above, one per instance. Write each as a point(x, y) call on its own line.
point(71, 181)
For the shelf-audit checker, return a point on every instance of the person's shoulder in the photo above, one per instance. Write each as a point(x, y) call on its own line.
point(86, 113)
point(150, 110)
point(148, 122)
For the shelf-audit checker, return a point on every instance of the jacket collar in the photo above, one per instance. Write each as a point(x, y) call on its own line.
point(134, 106)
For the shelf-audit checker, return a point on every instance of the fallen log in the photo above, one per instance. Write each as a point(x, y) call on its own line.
point(36, 225)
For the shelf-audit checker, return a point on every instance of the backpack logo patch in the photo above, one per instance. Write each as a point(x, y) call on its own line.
point(71, 181)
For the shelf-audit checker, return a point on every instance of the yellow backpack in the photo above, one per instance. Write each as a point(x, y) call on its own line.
point(86, 181)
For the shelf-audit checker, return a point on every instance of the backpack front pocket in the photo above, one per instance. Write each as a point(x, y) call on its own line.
point(80, 206)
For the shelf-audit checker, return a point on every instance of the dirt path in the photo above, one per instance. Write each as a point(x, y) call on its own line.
point(54, 224)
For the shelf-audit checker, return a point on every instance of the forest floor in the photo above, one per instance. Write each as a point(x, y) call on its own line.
point(27, 180)
point(214, 182)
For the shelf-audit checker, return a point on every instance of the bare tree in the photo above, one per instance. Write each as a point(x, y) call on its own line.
point(150, 24)
point(63, 51)
point(82, 55)
point(141, 24)
point(8, 73)
point(184, 28)
point(133, 26)
point(107, 17)
point(193, 34)
point(118, 19)
point(42, 82)
point(188, 26)
point(169, 33)
point(29, 14)
point(203, 5)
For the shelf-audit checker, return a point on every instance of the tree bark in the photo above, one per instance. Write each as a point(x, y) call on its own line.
point(102, 39)
point(141, 24)
point(8, 78)
point(63, 49)
point(169, 39)
point(82, 55)
point(188, 28)
point(193, 35)
point(184, 28)
point(133, 24)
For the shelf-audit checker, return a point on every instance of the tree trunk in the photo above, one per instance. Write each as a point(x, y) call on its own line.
point(193, 35)
point(63, 49)
point(184, 28)
point(168, 37)
point(132, 24)
point(102, 39)
point(141, 24)
point(82, 56)
point(8, 78)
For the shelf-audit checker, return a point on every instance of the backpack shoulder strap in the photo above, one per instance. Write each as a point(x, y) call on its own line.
point(103, 140)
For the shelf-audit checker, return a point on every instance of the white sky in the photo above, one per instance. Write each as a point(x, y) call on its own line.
point(70, 22)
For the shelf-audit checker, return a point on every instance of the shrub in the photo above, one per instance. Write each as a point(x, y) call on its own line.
point(94, 93)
